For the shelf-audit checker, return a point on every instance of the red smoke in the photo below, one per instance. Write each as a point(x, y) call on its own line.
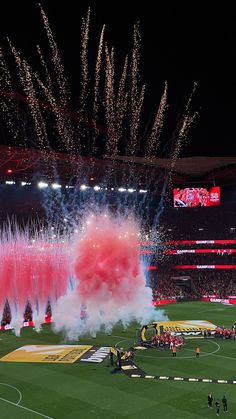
point(32, 272)
point(107, 261)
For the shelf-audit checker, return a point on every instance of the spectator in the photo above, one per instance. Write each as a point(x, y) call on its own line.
point(217, 407)
point(225, 404)
point(210, 400)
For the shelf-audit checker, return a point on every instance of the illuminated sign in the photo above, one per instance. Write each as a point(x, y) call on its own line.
point(196, 197)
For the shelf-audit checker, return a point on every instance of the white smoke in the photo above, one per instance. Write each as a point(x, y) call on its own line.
point(103, 313)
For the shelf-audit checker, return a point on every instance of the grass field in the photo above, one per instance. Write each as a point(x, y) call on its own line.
point(84, 391)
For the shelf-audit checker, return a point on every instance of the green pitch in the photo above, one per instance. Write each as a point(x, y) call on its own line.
point(84, 391)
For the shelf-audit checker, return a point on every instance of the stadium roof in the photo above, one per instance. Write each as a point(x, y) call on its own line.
point(21, 163)
point(189, 166)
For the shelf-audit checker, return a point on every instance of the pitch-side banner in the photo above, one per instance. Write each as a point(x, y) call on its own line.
point(214, 299)
point(205, 267)
point(62, 354)
point(201, 242)
point(164, 301)
point(220, 252)
point(186, 327)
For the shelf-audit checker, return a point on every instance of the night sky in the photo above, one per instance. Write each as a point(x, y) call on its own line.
point(181, 44)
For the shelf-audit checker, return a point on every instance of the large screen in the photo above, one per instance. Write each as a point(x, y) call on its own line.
point(196, 197)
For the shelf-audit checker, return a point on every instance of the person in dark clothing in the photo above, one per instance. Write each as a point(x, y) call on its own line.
point(111, 358)
point(210, 400)
point(217, 407)
point(225, 405)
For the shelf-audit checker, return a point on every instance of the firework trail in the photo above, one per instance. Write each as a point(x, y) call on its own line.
point(184, 126)
point(153, 138)
point(84, 61)
point(136, 96)
point(58, 66)
point(98, 74)
point(103, 265)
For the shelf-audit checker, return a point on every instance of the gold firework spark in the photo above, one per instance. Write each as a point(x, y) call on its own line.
point(152, 141)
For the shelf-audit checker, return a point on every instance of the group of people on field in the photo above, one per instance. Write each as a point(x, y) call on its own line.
point(167, 341)
point(174, 351)
point(217, 403)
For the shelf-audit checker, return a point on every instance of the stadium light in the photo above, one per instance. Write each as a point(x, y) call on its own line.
point(10, 182)
point(131, 190)
point(42, 185)
point(97, 188)
point(142, 191)
point(25, 183)
point(121, 189)
point(84, 187)
point(56, 186)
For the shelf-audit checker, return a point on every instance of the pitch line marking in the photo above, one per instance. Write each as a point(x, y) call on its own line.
point(226, 357)
point(203, 353)
point(214, 352)
point(17, 404)
point(123, 340)
point(26, 408)
point(15, 388)
point(165, 357)
point(187, 357)
point(113, 336)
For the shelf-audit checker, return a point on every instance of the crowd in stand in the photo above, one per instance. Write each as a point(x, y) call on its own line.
point(218, 285)
point(27, 316)
point(6, 317)
point(168, 289)
point(199, 223)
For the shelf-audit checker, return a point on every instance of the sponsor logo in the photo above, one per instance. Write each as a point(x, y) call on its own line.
point(178, 329)
point(185, 251)
point(219, 300)
point(185, 327)
point(8, 327)
point(205, 266)
point(204, 241)
point(182, 333)
point(96, 356)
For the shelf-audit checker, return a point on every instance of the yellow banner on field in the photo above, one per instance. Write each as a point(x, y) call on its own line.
point(185, 325)
point(62, 354)
point(114, 351)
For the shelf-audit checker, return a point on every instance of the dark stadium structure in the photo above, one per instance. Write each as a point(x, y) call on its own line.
point(199, 243)
point(18, 164)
